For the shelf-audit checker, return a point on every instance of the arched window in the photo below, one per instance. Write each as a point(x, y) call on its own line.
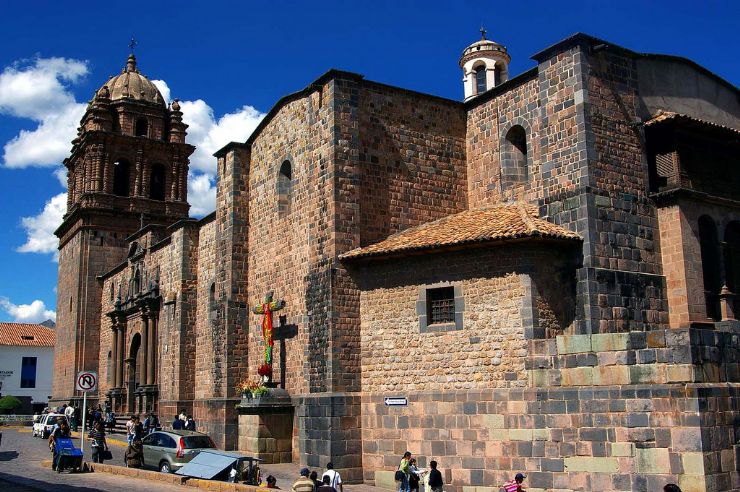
point(732, 257)
point(136, 283)
point(157, 180)
point(284, 188)
point(121, 178)
point(480, 79)
point(498, 74)
point(514, 155)
point(109, 367)
point(142, 127)
point(709, 246)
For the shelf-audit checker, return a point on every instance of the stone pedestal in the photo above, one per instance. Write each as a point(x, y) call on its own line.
point(266, 427)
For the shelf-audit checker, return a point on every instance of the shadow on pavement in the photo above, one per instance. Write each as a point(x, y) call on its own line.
point(31, 484)
point(8, 455)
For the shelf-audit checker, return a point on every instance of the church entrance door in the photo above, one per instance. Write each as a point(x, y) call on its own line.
point(133, 380)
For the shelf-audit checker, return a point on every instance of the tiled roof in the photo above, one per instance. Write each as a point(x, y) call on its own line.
point(498, 223)
point(663, 116)
point(26, 335)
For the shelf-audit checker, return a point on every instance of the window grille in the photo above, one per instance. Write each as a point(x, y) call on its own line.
point(441, 305)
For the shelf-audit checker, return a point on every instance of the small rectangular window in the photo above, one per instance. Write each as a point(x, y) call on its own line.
point(441, 305)
point(28, 372)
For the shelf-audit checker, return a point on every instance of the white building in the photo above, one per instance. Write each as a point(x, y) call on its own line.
point(26, 360)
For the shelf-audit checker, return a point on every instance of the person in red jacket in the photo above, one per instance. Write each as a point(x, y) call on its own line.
point(516, 484)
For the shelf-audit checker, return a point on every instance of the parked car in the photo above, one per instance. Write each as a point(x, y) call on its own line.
point(45, 424)
point(168, 451)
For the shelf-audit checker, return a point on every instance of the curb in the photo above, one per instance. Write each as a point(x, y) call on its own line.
point(163, 477)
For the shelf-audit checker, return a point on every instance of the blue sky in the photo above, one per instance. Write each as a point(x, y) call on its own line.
point(230, 62)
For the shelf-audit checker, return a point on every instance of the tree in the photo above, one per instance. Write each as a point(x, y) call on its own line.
point(9, 403)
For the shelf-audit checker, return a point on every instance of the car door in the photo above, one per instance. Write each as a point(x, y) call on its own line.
point(168, 448)
point(151, 445)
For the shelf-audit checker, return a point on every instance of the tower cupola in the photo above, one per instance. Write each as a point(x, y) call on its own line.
point(485, 64)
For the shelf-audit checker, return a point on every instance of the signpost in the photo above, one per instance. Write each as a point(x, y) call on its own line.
point(86, 381)
point(396, 401)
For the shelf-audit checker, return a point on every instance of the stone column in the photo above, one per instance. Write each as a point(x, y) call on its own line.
point(115, 354)
point(151, 353)
point(726, 297)
point(119, 362)
point(138, 172)
point(144, 345)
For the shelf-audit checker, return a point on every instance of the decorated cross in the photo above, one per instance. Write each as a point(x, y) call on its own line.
point(266, 309)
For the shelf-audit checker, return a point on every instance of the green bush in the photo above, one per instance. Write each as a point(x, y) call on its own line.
point(9, 403)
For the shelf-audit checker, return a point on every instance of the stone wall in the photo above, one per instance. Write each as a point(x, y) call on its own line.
point(626, 411)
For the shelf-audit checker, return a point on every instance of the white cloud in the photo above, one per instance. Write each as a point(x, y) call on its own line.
point(209, 134)
point(40, 228)
point(201, 194)
point(35, 312)
point(61, 174)
point(39, 90)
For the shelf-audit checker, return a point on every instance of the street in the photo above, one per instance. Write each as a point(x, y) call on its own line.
point(21, 470)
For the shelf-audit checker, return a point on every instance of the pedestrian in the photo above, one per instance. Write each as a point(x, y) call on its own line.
point(135, 454)
point(131, 429)
point(304, 483)
point(61, 431)
point(326, 485)
point(516, 484)
point(75, 424)
point(403, 467)
point(315, 479)
point(99, 444)
point(190, 423)
point(153, 423)
point(271, 482)
point(139, 428)
point(69, 412)
point(671, 487)
point(177, 423)
point(335, 480)
point(110, 419)
point(89, 418)
point(435, 477)
point(415, 475)
point(183, 416)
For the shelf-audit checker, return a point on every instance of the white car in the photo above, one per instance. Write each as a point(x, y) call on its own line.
point(44, 426)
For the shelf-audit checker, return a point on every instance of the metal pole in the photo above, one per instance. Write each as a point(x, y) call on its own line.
point(84, 415)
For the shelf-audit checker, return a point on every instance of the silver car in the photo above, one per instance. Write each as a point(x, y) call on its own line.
point(168, 451)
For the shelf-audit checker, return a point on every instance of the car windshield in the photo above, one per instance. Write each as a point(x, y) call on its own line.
point(195, 442)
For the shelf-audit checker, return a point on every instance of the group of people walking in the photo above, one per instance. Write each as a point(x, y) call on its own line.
point(331, 481)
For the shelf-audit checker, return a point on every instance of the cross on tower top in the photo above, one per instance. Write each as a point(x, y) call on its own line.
point(132, 44)
point(483, 32)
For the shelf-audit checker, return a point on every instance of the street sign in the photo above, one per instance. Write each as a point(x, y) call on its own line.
point(395, 401)
point(86, 381)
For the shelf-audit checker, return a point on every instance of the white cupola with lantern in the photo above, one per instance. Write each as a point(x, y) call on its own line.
point(485, 65)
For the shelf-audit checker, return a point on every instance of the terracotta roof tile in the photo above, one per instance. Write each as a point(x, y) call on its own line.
point(663, 116)
point(498, 223)
point(26, 334)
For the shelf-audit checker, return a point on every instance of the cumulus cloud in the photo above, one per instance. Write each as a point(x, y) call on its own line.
point(40, 228)
point(35, 312)
point(208, 134)
point(38, 90)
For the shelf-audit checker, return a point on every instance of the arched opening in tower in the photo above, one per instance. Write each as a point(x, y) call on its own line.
point(121, 177)
point(157, 180)
point(142, 127)
point(709, 248)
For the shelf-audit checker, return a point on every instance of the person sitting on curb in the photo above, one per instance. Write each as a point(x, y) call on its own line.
point(135, 454)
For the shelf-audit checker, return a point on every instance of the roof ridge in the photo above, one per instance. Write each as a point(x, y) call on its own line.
point(528, 223)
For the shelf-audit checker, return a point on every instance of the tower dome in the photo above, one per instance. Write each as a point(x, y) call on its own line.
point(132, 85)
point(485, 65)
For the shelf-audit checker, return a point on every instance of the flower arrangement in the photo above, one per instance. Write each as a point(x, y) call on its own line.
point(265, 370)
point(251, 388)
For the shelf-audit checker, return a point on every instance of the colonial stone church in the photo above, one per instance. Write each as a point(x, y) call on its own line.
point(540, 277)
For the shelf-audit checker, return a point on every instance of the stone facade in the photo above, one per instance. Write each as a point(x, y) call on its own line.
point(606, 361)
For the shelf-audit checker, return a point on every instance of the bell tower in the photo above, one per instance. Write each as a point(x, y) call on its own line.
point(485, 64)
point(127, 169)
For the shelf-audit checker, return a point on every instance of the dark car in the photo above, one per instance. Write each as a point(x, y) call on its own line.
point(167, 451)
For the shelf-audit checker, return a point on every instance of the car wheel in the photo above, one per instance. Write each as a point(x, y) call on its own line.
point(164, 467)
